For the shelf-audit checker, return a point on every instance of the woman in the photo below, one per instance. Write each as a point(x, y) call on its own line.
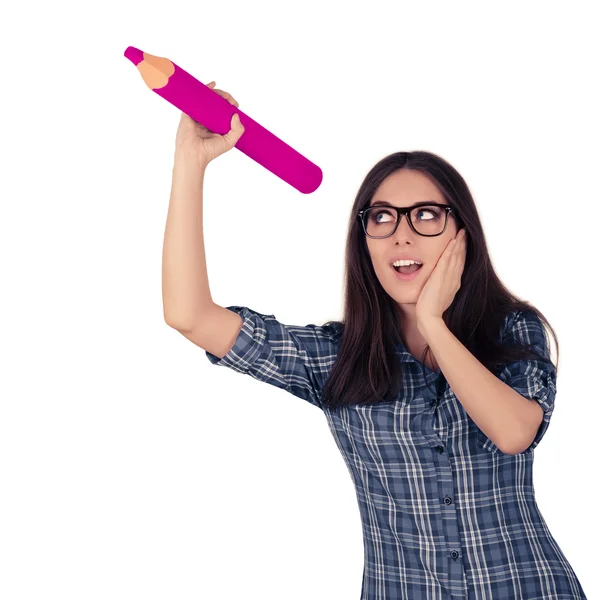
point(437, 385)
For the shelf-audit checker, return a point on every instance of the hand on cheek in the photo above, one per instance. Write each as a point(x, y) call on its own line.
point(444, 281)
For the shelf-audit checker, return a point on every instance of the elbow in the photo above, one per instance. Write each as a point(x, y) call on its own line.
point(175, 324)
point(515, 448)
point(517, 444)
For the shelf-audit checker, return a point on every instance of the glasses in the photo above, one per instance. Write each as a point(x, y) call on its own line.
point(381, 221)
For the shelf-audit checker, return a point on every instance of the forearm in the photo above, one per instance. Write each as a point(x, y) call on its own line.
point(506, 417)
point(185, 287)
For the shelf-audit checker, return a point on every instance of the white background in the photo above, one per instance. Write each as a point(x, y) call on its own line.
point(130, 467)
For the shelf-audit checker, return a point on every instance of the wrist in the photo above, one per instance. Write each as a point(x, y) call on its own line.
point(426, 325)
point(190, 158)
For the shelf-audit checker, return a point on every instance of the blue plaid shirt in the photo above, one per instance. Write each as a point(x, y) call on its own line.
point(445, 513)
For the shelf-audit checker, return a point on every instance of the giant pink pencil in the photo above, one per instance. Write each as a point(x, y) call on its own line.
point(204, 105)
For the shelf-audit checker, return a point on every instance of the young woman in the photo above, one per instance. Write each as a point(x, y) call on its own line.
point(437, 385)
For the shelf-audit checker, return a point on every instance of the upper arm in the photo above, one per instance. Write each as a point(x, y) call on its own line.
point(294, 358)
point(534, 379)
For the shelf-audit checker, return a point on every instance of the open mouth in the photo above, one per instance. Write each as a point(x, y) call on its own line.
point(407, 270)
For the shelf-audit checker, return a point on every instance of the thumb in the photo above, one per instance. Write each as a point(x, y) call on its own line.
point(236, 131)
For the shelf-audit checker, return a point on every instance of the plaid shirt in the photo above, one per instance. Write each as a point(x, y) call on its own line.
point(445, 513)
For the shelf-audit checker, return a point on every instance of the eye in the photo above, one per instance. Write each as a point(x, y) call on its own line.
point(430, 211)
point(375, 214)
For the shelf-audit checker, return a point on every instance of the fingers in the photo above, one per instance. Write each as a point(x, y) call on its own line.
point(459, 251)
point(225, 95)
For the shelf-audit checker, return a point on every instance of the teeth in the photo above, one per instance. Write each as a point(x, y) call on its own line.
point(405, 263)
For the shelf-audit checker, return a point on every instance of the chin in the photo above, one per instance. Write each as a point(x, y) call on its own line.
point(406, 296)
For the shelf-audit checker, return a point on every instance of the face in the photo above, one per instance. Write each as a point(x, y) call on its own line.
point(405, 188)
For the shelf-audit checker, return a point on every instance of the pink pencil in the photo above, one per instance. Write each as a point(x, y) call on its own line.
point(204, 105)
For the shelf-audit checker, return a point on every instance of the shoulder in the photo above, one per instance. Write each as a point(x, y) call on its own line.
point(333, 330)
point(521, 321)
point(525, 328)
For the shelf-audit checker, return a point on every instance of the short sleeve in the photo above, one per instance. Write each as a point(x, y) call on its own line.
point(294, 358)
point(533, 379)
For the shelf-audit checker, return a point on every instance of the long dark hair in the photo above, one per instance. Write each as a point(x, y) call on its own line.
point(367, 369)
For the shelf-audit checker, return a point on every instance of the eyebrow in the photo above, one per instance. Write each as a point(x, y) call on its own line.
point(412, 205)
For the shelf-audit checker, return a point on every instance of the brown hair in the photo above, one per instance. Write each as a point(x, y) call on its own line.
point(367, 369)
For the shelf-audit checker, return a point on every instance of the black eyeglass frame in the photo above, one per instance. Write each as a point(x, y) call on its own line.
point(404, 211)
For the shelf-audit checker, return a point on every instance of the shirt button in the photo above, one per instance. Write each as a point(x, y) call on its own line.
point(433, 402)
point(447, 500)
point(454, 554)
point(440, 449)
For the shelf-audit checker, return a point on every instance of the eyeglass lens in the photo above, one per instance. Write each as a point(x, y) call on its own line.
point(380, 221)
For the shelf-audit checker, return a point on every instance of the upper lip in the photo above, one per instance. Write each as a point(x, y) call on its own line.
point(404, 257)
